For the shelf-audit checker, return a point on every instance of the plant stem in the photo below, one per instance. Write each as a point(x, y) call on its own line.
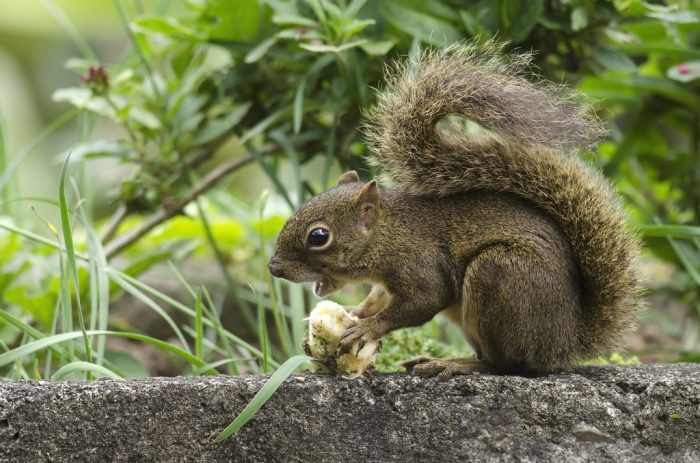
point(117, 218)
point(210, 180)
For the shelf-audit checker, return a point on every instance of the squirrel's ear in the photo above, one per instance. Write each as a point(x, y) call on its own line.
point(348, 177)
point(369, 193)
point(368, 199)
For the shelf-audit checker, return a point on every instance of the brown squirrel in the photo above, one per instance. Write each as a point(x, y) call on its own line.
point(508, 234)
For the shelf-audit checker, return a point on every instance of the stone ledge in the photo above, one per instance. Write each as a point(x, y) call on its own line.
point(641, 413)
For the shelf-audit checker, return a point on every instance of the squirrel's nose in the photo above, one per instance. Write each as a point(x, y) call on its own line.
point(275, 268)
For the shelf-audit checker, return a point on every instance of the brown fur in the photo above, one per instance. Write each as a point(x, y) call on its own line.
point(522, 245)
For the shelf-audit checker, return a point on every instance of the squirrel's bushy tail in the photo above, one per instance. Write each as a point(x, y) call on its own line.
point(534, 125)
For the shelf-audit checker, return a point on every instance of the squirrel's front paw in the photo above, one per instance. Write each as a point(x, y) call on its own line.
point(363, 331)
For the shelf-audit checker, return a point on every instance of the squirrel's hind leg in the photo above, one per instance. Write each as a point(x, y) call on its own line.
point(521, 308)
point(444, 369)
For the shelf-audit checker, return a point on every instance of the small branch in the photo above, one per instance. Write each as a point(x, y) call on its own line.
point(111, 228)
point(212, 178)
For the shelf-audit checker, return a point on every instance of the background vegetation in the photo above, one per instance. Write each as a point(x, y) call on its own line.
point(142, 186)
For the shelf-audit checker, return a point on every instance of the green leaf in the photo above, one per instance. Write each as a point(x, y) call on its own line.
point(219, 127)
point(377, 48)
point(82, 98)
point(357, 26)
point(144, 117)
point(294, 20)
point(579, 18)
point(265, 392)
point(241, 20)
point(168, 26)
point(324, 48)
point(613, 59)
point(299, 106)
point(258, 52)
point(678, 17)
point(96, 370)
point(96, 149)
point(518, 18)
point(354, 8)
point(427, 28)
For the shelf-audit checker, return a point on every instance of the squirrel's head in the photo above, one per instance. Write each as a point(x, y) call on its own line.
point(325, 240)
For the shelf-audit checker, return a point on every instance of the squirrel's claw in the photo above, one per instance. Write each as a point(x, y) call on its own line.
point(446, 369)
point(363, 331)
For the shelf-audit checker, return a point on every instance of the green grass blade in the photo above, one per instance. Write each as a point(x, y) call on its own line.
point(686, 260)
point(299, 106)
point(223, 264)
point(212, 366)
point(280, 325)
point(70, 256)
point(198, 324)
point(298, 313)
point(95, 370)
point(4, 162)
point(213, 317)
point(38, 238)
point(274, 178)
point(293, 156)
point(70, 29)
point(99, 285)
point(265, 392)
point(129, 288)
point(185, 310)
point(43, 343)
point(670, 231)
point(137, 46)
point(262, 337)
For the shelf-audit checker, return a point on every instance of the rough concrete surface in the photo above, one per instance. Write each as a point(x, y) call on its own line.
point(598, 414)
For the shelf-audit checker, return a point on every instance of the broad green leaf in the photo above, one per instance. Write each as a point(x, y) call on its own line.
point(518, 18)
point(430, 29)
point(293, 20)
point(323, 48)
point(613, 59)
point(144, 117)
point(265, 392)
point(356, 27)
point(678, 17)
point(258, 52)
point(167, 26)
point(354, 8)
point(241, 20)
point(221, 126)
point(377, 48)
point(82, 98)
point(39, 304)
point(579, 18)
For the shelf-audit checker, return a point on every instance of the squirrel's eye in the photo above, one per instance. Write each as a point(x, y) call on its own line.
point(318, 237)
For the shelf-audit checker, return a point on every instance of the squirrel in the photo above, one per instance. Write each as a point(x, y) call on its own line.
point(505, 231)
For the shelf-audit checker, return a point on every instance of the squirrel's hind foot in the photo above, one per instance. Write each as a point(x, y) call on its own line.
point(445, 369)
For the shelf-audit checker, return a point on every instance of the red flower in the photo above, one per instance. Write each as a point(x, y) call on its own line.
point(684, 68)
point(96, 79)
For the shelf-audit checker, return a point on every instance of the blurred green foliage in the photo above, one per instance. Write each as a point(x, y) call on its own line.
point(208, 86)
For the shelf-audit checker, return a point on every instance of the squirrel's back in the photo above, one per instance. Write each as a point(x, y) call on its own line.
point(533, 126)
